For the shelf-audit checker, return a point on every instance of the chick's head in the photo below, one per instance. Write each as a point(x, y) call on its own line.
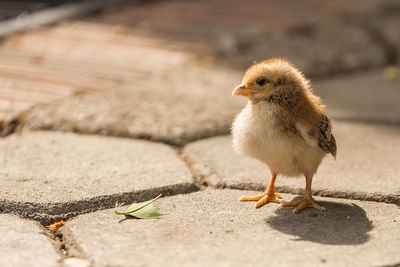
point(264, 79)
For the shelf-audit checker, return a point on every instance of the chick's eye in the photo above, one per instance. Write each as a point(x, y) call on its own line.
point(261, 81)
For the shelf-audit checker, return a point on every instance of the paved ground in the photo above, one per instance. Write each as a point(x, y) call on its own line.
point(214, 229)
point(123, 105)
point(24, 243)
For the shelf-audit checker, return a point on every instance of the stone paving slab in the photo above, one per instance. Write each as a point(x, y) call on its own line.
point(367, 165)
point(23, 243)
point(318, 48)
point(53, 175)
point(100, 57)
point(390, 26)
point(212, 228)
point(102, 47)
point(367, 97)
point(185, 19)
point(385, 25)
point(175, 106)
point(188, 103)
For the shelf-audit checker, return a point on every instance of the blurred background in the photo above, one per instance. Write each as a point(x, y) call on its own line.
point(126, 67)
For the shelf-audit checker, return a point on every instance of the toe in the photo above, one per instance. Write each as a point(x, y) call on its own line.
point(267, 198)
point(291, 203)
point(264, 200)
point(316, 206)
point(300, 207)
point(255, 198)
point(305, 203)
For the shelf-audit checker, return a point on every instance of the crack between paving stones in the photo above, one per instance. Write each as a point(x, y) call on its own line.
point(373, 33)
point(63, 239)
point(8, 127)
point(199, 179)
point(364, 196)
point(390, 265)
point(50, 213)
point(19, 124)
point(201, 182)
point(16, 126)
point(71, 246)
point(64, 245)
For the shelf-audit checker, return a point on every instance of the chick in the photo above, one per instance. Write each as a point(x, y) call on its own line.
point(284, 126)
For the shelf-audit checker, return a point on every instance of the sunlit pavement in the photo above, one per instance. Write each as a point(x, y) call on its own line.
point(135, 101)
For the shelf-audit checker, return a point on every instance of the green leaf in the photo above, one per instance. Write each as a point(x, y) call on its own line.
point(142, 210)
point(147, 212)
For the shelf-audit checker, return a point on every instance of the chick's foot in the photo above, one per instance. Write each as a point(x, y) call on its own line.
point(302, 204)
point(263, 198)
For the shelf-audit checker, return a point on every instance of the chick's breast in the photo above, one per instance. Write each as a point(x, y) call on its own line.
point(254, 133)
point(257, 132)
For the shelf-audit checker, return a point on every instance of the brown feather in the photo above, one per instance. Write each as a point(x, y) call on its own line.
point(326, 140)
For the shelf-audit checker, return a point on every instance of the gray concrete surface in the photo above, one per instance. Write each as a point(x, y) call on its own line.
point(178, 105)
point(367, 164)
point(212, 228)
point(367, 97)
point(53, 173)
point(24, 243)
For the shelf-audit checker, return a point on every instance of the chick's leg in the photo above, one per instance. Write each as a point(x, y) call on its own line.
point(268, 196)
point(306, 202)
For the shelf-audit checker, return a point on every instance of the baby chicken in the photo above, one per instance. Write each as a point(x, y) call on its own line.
point(283, 125)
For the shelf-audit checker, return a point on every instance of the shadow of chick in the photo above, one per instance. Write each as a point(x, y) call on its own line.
point(340, 224)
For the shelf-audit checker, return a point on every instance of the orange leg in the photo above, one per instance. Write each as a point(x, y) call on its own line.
point(306, 202)
point(268, 196)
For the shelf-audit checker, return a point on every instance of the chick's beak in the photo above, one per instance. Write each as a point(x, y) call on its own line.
point(242, 89)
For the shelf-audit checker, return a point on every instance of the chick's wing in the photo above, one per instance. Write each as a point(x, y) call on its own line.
point(319, 134)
